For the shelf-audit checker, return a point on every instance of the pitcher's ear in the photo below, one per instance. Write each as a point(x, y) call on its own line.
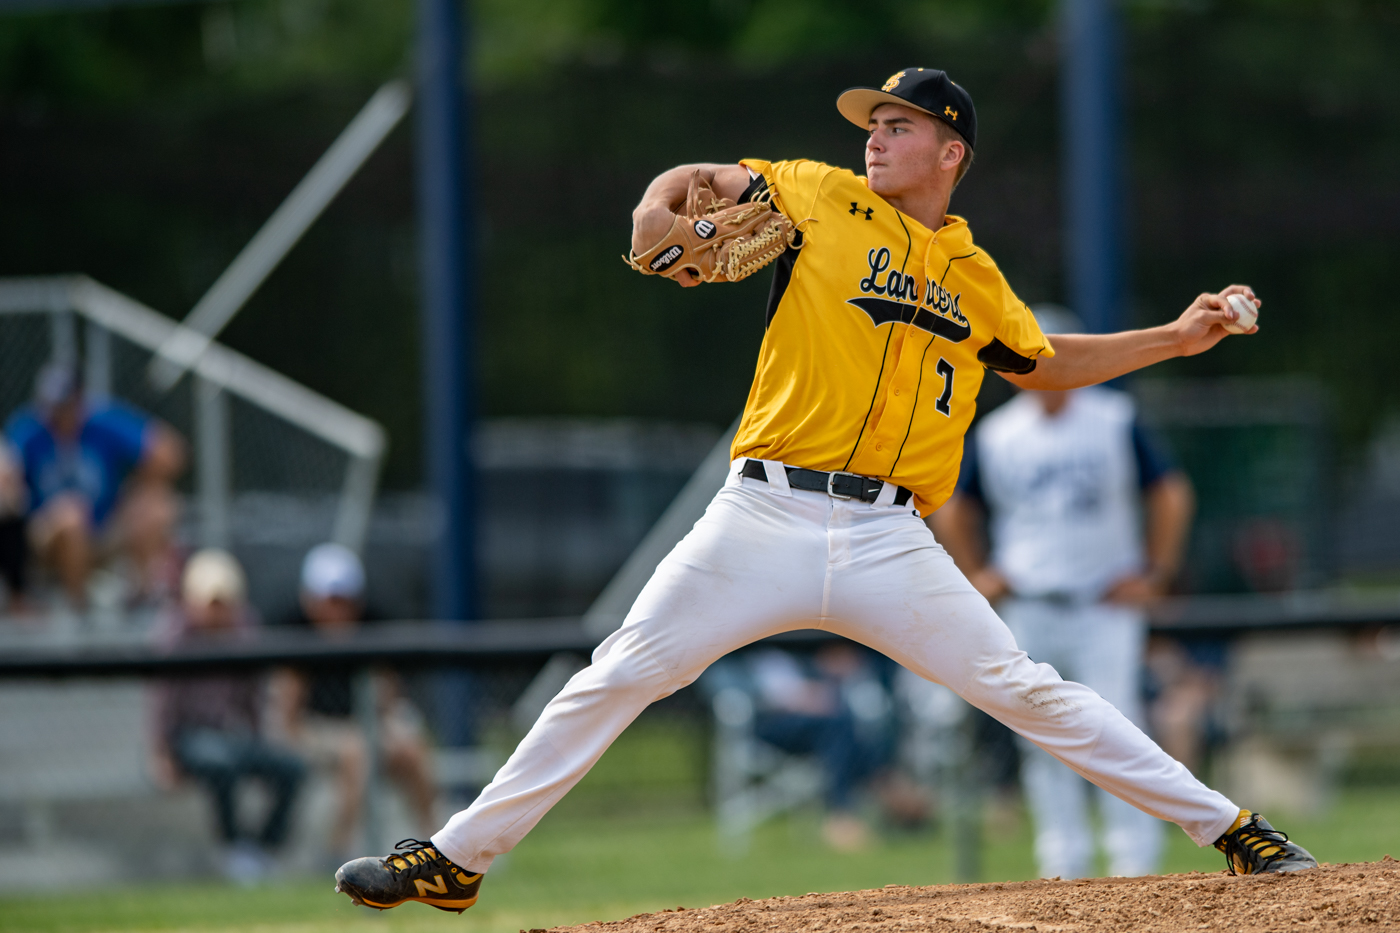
point(953, 153)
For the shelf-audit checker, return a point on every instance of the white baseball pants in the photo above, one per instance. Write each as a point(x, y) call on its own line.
point(1100, 646)
point(766, 559)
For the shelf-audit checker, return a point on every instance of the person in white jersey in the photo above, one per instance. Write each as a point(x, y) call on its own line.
point(1087, 520)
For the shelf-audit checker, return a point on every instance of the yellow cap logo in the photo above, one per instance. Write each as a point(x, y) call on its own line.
point(950, 112)
point(893, 82)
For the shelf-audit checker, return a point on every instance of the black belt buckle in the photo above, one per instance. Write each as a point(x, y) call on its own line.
point(854, 477)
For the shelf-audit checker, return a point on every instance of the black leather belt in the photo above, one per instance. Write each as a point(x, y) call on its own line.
point(838, 485)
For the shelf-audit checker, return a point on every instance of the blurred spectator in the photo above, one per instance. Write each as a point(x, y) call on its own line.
point(99, 481)
point(317, 709)
point(1064, 480)
point(14, 503)
point(206, 727)
point(836, 709)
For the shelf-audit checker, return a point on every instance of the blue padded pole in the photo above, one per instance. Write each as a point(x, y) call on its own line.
point(1092, 150)
point(447, 332)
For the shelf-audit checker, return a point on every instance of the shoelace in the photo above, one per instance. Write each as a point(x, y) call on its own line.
point(416, 856)
point(1249, 840)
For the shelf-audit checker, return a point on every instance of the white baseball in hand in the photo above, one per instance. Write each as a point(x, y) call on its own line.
point(1248, 314)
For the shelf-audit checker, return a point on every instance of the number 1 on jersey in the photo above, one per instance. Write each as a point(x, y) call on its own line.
point(944, 403)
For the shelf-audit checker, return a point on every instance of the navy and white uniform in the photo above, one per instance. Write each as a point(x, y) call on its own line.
point(1063, 495)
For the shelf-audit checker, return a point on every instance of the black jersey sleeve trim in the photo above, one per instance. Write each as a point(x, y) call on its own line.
point(757, 186)
point(999, 357)
point(782, 268)
point(782, 275)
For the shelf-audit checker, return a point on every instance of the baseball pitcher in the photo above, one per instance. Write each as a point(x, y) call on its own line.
point(882, 318)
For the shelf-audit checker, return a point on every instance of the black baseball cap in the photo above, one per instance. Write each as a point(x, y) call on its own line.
point(926, 89)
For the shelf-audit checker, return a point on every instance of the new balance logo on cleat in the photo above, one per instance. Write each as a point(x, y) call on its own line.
point(419, 872)
point(1254, 847)
point(436, 886)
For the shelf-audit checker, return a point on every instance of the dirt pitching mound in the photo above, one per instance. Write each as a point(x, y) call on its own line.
point(1363, 896)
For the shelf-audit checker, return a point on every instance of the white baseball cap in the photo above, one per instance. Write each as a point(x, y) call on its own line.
point(213, 575)
point(332, 570)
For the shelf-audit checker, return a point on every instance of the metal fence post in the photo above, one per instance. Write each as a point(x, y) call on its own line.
point(366, 703)
point(965, 825)
point(97, 361)
point(213, 466)
point(356, 502)
point(63, 339)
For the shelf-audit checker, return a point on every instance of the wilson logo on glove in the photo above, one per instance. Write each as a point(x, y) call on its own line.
point(704, 229)
point(667, 259)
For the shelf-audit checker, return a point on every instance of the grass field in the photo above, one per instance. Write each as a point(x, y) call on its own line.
point(635, 838)
point(581, 867)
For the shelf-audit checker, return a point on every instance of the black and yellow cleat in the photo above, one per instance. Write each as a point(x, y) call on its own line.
point(417, 873)
point(1253, 847)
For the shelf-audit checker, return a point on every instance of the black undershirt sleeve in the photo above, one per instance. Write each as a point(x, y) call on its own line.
point(757, 186)
point(998, 357)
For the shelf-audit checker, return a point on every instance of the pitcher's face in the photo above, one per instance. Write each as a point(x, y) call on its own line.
point(905, 151)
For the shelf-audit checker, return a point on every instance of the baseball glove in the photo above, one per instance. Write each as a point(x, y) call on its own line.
point(718, 240)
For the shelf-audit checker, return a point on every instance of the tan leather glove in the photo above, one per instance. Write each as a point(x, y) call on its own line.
point(716, 239)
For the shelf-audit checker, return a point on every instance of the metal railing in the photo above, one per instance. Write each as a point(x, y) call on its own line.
point(218, 373)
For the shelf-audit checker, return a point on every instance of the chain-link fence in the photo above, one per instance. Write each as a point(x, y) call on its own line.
point(274, 469)
point(1258, 452)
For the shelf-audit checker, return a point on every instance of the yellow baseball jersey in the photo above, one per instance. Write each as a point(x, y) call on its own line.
point(878, 334)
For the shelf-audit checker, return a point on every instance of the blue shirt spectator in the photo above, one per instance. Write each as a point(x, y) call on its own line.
point(110, 443)
point(99, 480)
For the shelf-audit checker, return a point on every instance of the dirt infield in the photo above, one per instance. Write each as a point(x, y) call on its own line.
point(1333, 897)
